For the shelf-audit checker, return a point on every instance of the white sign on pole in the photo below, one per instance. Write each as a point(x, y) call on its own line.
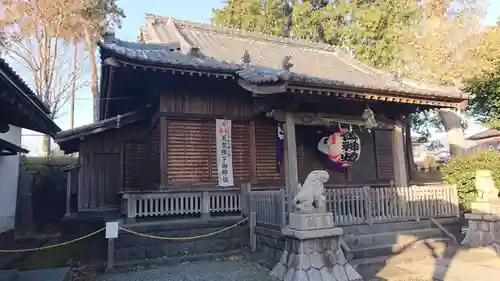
point(111, 229)
point(224, 152)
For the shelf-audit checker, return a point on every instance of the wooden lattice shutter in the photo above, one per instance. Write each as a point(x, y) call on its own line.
point(383, 155)
point(191, 152)
point(156, 152)
point(265, 143)
point(135, 166)
point(240, 141)
point(364, 170)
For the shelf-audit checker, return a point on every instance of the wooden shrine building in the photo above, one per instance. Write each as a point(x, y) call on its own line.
point(171, 105)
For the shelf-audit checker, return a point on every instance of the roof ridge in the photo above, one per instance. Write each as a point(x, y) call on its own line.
point(314, 46)
point(252, 34)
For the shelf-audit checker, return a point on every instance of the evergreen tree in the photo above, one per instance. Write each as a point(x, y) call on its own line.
point(270, 16)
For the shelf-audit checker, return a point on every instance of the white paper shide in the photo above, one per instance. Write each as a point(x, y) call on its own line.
point(224, 152)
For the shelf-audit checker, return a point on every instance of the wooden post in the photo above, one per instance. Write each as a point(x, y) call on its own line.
point(111, 255)
point(130, 207)
point(205, 204)
point(368, 204)
point(68, 192)
point(163, 152)
point(291, 173)
point(245, 198)
point(398, 152)
point(253, 237)
point(283, 207)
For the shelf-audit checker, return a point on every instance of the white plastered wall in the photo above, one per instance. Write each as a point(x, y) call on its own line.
point(9, 175)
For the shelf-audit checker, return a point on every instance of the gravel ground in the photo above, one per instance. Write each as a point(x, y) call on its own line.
point(201, 271)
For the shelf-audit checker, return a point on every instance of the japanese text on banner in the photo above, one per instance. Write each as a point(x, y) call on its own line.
point(224, 153)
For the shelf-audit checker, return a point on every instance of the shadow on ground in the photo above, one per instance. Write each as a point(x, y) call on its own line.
point(229, 270)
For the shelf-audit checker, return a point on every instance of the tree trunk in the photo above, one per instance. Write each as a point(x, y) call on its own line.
point(94, 76)
point(453, 127)
point(94, 83)
point(73, 90)
point(46, 146)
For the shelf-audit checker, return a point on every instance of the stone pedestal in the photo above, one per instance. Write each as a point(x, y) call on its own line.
point(312, 251)
point(484, 225)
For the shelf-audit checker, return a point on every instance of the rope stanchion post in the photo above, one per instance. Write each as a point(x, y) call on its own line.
point(253, 236)
point(111, 234)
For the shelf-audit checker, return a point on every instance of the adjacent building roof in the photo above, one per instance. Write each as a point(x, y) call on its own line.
point(69, 140)
point(19, 106)
point(7, 148)
point(312, 62)
point(164, 54)
point(490, 133)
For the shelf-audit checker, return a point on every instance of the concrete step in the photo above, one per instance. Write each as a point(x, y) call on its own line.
point(416, 250)
point(391, 238)
point(8, 275)
point(392, 226)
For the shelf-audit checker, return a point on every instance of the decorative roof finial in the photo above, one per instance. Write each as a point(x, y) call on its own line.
point(109, 36)
point(246, 58)
point(286, 64)
point(194, 52)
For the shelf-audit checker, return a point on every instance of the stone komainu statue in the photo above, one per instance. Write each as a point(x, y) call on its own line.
point(485, 186)
point(310, 197)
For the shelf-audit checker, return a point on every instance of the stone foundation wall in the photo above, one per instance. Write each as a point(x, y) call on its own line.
point(270, 245)
point(133, 248)
point(484, 231)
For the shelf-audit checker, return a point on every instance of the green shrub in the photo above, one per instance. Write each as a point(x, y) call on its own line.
point(462, 172)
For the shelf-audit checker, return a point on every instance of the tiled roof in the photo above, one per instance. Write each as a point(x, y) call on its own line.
point(313, 62)
point(26, 99)
point(11, 73)
point(165, 54)
point(490, 133)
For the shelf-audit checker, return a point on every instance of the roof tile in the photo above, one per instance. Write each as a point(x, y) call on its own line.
point(313, 62)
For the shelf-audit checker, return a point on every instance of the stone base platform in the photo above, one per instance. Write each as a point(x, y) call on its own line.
point(314, 255)
point(484, 226)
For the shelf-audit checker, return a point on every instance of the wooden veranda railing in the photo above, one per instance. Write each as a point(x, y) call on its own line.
point(349, 205)
point(365, 204)
point(157, 203)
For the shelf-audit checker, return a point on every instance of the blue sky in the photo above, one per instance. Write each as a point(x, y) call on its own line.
point(195, 10)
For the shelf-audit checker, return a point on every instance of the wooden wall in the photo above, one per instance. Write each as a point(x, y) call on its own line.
point(177, 149)
point(189, 128)
point(111, 162)
point(191, 153)
point(374, 164)
point(208, 104)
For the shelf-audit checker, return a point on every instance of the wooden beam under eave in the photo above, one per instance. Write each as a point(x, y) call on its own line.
point(313, 119)
point(366, 95)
